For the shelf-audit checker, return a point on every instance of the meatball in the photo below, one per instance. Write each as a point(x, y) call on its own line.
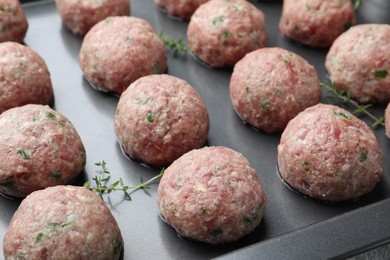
point(316, 23)
point(80, 16)
point(387, 120)
point(270, 86)
point(159, 118)
point(40, 148)
point(221, 32)
point(25, 77)
point(13, 22)
point(359, 62)
point(181, 8)
point(327, 153)
point(63, 222)
point(211, 195)
point(119, 50)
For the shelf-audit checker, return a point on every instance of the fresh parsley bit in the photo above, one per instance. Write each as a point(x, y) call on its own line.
point(356, 4)
point(216, 232)
point(175, 46)
point(149, 117)
point(56, 175)
point(55, 226)
point(380, 74)
point(38, 237)
point(363, 157)
point(203, 211)
point(24, 154)
point(247, 88)
point(50, 115)
point(226, 35)
point(307, 7)
point(265, 103)
point(305, 166)
point(143, 101)
point(218, 19)
point(341, 114)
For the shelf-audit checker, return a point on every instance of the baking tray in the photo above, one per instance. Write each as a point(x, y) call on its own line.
point(293, 227)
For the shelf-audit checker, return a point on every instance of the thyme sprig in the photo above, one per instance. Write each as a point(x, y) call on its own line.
point(345, 97)
point(356, 4)
point(102, 186)
point(174, 45)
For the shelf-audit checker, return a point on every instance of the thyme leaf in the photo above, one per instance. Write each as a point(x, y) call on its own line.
point(359, 108)
point(356, 4)
point(174, 45)
point(102, 186)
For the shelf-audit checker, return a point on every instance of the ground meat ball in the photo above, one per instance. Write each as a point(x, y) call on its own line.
point(270, 86)
point(327, 153)
point(119, 50)
point(13, 22)
point(359, 62)
point(181, 8)
point(221, 32)
point(63, 222)
point(159, 118)
point(39, 148)
point(25, 78)
point(211, 195)
point(387, 120)
point(316, 23)
point(80, 16)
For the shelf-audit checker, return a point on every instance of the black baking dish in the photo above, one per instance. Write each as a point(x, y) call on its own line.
point(293, 227)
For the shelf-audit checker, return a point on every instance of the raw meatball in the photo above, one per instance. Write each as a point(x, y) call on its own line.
point(359, 62)
point(25, 78)
point(119, 50)
point(221, 32)
point(211, 195)
point(316, 23)
point(159, 118)
point(39, 147)
point(270, 86)
point(327, 153)
point(181, 8)
point(80, 16)
point(387, 120)
point(13, 22)
point(63, 222)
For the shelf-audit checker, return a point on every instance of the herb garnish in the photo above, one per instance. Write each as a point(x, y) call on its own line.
point(380, 74)
point(356, 4)
point(50, 115)
point(175, 46)
point(363, 157)
point(102, 180)
point(218, 19)
point(345, 97)
point(24, 154)
point(341, 114)
point(38, 238)
point(149, 117)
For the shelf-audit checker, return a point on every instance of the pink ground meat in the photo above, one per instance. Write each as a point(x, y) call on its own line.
point(316, 23)
point(13, 21)
point(221, 32)
point(211, 195)
point(25, 78)
point(181, 8)
point(63, 222)
point(119, 50)
point(80, 16)
point(359, 62)
point(159, 118)
point(270, 86)
point(40, 148)
point(327, 153)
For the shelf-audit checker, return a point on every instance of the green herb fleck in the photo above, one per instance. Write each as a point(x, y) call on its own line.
point(50, 115)
point(307, 7)
point(62, 122)
point(305, 166)
point(55, 226)
point(56, 175)
point(149, 117)
point(218, 19)
point(203, 211)
point(107, 20)
point(247, 88)
point(265, 103)
point(356, 4)
point(38, 237)
point(24, 154)
point(226, 35)
point(117, 246)
point(143, 101)
point(363, 157)
point(175, 46)
point(341, 114)
point(216, 232)
point(380, 74)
